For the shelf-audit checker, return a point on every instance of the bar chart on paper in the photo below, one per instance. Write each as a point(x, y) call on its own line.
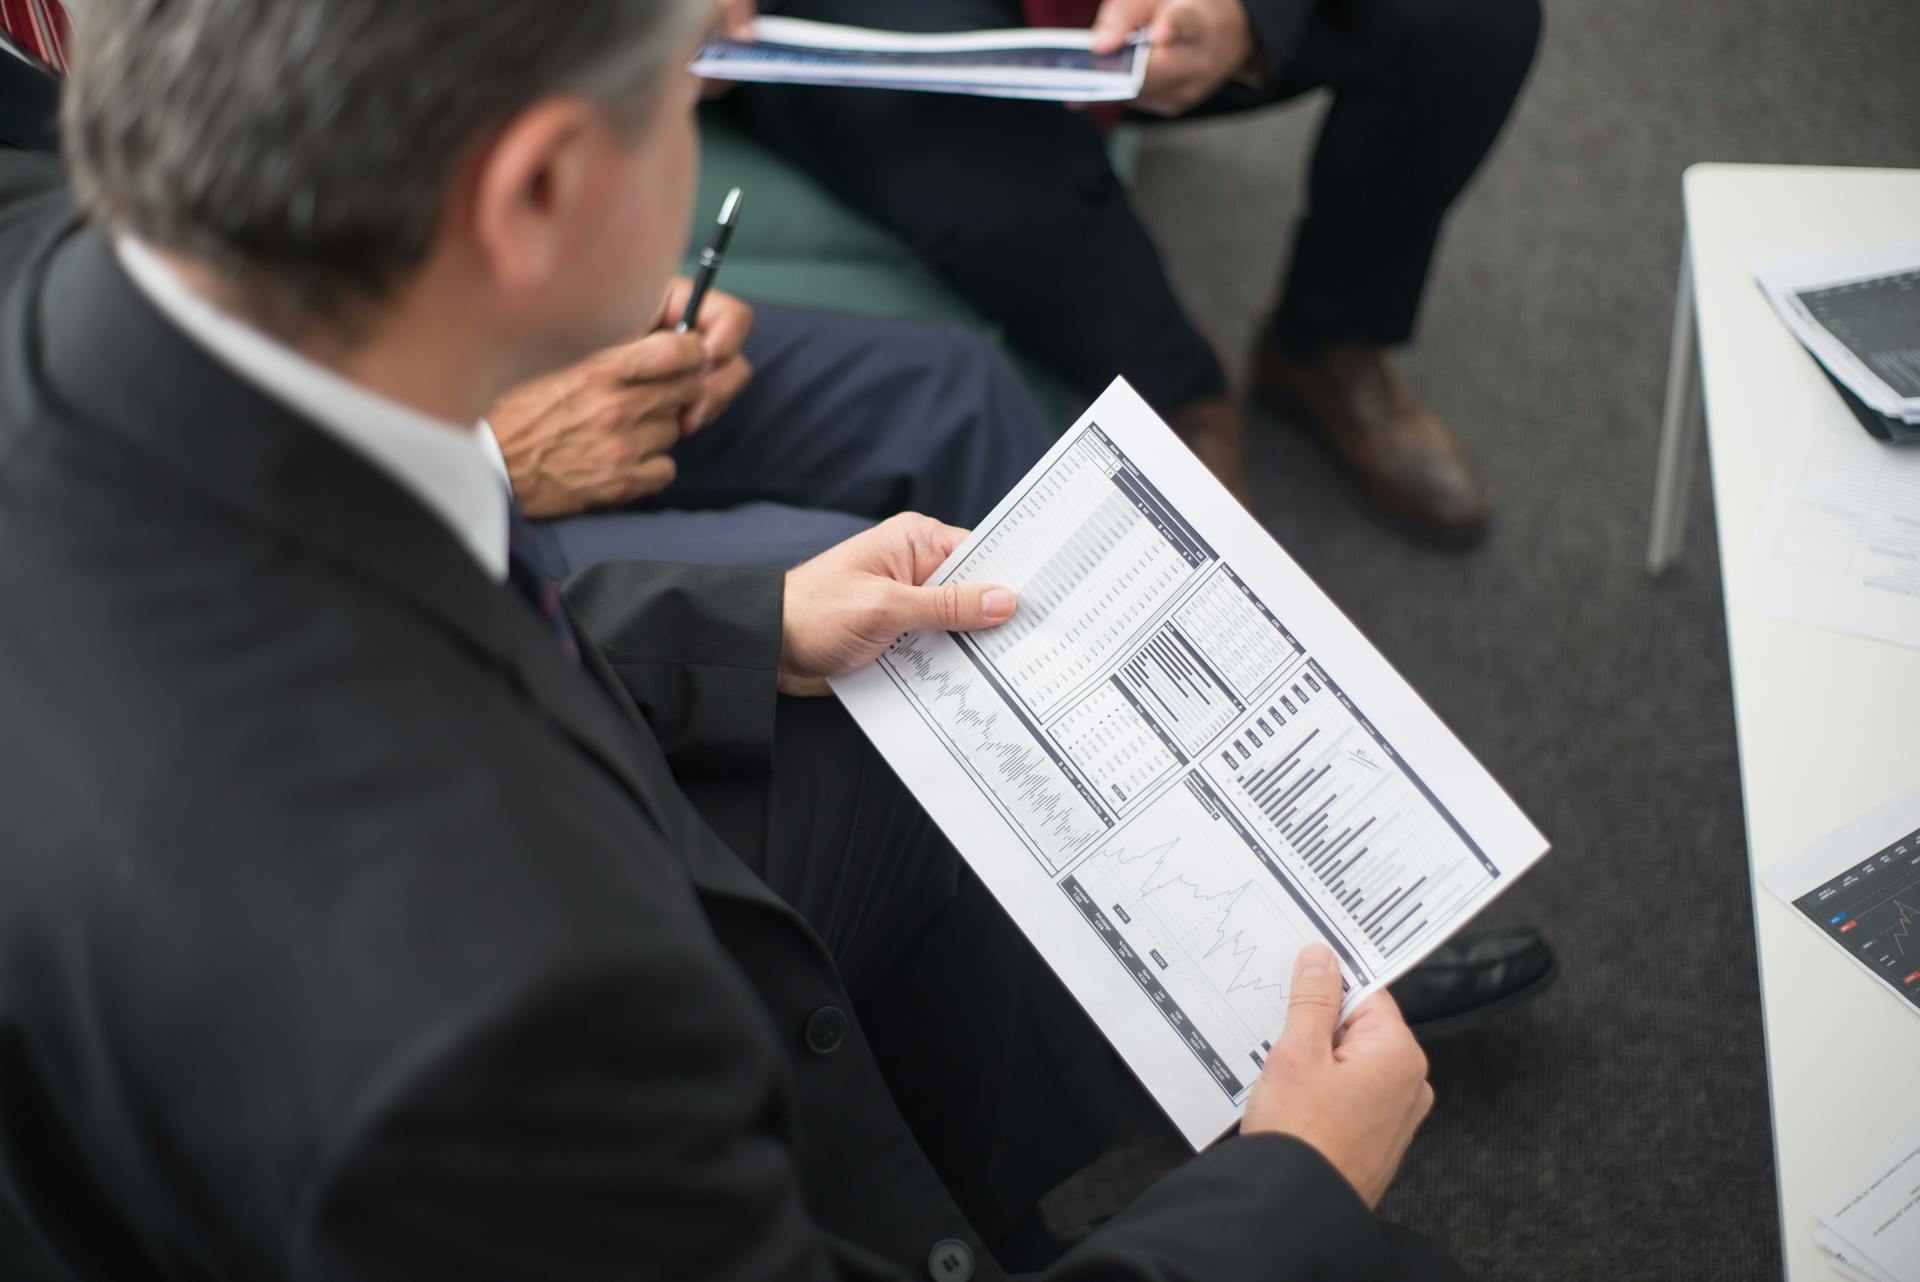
point(1376, 851)
point(1161, 766)
point(1087, 512)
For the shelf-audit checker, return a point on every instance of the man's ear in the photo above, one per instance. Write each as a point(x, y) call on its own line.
point(530, 186)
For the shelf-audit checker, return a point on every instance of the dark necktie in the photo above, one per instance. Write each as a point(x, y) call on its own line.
point(526, 577)
point(39, 27)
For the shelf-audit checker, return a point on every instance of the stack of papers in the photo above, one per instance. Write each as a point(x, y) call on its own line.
point(1043, 64)
point(1872, 1233)
point(1858, 313)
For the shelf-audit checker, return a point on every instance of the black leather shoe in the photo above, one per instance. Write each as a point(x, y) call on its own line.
point(1473, 977)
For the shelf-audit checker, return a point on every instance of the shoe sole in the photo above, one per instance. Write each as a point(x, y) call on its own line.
point(1448, 1025)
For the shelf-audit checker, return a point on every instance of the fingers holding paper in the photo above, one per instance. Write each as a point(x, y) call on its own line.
point(847, 605)
point(1198, 45)
point(1356, 1092)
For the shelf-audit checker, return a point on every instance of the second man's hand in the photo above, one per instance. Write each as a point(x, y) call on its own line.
point(722, 328)
point(601, 433)
point(847, 605)
point(1198, 45)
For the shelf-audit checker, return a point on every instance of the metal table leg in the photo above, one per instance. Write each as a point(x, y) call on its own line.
point(1680, 425)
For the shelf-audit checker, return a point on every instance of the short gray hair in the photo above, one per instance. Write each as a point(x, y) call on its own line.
point(302, 148)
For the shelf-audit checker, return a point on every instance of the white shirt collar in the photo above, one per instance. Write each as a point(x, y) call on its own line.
point(455, 471)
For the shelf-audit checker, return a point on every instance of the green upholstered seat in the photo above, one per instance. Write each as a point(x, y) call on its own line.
point(798, 244)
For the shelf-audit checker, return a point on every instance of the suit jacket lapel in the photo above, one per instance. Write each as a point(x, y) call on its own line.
point(109, 353)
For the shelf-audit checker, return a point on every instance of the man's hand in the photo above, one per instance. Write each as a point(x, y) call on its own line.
point(850, 603)
point(600, 433)
point(736, 18)
point(1358, 1093)
point(1198, 45)
point(722, 327)
point(736, 23)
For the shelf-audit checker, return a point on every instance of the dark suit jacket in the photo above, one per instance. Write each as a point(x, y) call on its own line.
point(29, 102)
point(347, 931)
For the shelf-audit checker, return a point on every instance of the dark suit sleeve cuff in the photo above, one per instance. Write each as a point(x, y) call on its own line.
point(1278, 26)
point(697, 647)
point(1252, 1209)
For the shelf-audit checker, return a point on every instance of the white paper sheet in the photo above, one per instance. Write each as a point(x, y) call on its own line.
point(1846, 1259)
point(1043, 64)
point(1838, 544)
point(1875, 1228)
point(1179, 763)
point(1860, 887)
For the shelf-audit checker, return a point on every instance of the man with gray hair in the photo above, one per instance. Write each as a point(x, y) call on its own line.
point(372, 908)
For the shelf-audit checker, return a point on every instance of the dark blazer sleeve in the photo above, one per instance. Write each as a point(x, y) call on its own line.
point(1255, 1208)
point(1278, 25)
point(697, 647)
point(599, 1132)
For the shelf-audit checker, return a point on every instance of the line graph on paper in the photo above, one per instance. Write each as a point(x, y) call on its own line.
point(1187, 894)
point(1872, 910)
point(1028, 785)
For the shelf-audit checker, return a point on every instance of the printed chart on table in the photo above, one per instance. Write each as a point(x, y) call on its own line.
point(1860, 887)
point(1163, 769)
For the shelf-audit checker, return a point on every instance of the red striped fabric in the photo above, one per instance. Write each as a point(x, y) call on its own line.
point(39, 27)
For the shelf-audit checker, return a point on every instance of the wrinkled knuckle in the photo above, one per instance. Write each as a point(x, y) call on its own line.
point(608, 418)
point(947, 606)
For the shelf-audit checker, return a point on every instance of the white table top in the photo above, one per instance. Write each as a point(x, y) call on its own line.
point(1828, 724)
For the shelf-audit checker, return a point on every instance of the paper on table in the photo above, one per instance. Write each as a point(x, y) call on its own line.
point(1046, 64)
point(1860, 887)
point(1858, 312)
point(1880, 1220)
point(1838, 544)
point(1179, 763)
point(1846, 1258)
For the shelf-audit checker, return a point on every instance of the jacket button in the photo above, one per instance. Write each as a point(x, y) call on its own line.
point(826, 1030)
point(951, 1260)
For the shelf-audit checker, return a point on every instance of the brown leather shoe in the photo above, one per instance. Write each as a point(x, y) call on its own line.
point(1216, 432)
point(1412, 467)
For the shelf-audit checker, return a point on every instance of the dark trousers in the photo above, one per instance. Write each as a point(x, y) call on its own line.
point(1005, 1082)
point(848, 420)
point(1016, 205)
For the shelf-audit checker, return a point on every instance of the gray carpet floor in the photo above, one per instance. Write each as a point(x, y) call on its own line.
point(1618, 1129)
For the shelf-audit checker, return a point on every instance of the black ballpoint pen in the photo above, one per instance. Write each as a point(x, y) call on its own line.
point(710, 259)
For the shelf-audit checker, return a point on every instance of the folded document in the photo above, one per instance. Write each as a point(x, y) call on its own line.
point(1055, 65)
